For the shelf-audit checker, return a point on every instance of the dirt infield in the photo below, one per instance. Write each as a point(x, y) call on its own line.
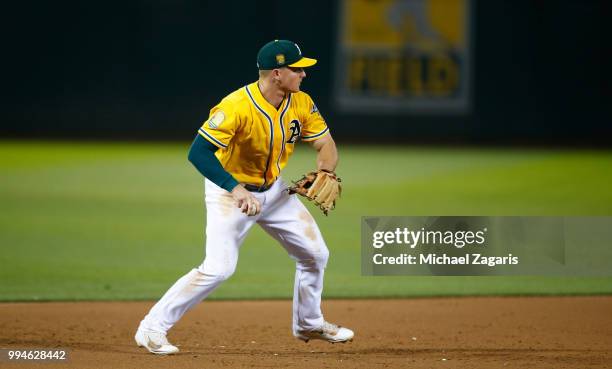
point(542, 332)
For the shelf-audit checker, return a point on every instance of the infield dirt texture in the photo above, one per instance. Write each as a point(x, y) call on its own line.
point(535, 332)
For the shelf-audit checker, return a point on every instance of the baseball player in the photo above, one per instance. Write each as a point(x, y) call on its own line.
point(241, 150)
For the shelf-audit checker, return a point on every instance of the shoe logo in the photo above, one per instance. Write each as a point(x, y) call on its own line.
point(152, 345)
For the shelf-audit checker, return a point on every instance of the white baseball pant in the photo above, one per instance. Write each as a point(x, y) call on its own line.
point(282, 216)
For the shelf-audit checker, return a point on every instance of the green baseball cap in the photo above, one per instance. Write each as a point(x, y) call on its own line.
point(282, 53)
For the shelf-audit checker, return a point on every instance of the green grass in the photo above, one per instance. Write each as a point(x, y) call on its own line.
point(124, 221)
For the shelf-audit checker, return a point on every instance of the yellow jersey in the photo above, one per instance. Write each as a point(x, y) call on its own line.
point(256, 139)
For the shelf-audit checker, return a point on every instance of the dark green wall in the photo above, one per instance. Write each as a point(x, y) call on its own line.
point(153, 69)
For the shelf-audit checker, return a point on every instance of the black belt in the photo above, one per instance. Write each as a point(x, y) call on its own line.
point(254, 188)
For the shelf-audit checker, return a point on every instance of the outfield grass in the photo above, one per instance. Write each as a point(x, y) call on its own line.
point(124, 221)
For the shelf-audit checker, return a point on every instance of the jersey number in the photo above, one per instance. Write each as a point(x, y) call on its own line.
point(296, 131)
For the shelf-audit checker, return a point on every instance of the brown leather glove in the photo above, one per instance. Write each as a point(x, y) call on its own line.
point(322, 187)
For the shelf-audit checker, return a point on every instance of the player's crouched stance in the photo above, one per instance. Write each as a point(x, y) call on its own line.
point(241, 150)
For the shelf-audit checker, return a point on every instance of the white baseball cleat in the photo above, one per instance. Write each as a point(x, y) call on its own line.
point(328, 332)
point(155, 342)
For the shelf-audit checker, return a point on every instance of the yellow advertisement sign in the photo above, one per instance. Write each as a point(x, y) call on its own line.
point(404, 55)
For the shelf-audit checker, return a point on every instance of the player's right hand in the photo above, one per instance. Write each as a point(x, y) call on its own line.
point(245, 200)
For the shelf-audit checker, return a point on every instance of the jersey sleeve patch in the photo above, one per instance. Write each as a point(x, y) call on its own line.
point(221, 125)
point(216, 120)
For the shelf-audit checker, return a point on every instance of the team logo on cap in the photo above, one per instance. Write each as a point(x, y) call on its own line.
point(216, 120)
point(280, 59)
